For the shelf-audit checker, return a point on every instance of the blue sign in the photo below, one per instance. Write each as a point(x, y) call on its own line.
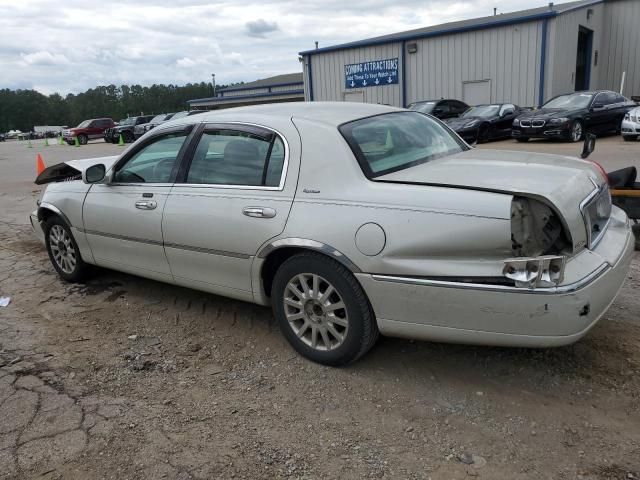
point(371, 74)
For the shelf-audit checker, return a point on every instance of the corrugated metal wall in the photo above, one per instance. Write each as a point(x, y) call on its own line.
point(507, 56)
point(287, 88)
point(329, 78)
point(563, 48)
point(621, 50)
point(239, 93)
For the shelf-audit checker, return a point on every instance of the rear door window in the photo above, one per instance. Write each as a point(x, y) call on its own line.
point(231, 157)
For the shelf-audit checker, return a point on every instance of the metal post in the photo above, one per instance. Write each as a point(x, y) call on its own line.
point(213, 83)
point(624, 76)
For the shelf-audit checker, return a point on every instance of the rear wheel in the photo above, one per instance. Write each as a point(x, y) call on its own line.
point(63, 251)
point(322, 310)
point(575, 133)
point(83, 139)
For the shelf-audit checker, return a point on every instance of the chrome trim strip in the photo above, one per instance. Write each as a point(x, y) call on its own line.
point(311, 245)
point(583, 205)
point(572, 287)
point(169, 245)
point(209, 251)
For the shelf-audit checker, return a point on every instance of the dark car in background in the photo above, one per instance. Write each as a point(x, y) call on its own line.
point(143, 128)
point(87, 130)
point(126, 129)
point(482, 123)
point(569, 116)
point(442, 109)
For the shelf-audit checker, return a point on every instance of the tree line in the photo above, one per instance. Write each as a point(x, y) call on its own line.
point(23, 109)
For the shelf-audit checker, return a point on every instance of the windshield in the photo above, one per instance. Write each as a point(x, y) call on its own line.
point(128, 121)
point(570, 102)
point(423, 107)
point(158, 118)
point(485, 111)
point(395, 141)
point(84, 124)
point(180, 115)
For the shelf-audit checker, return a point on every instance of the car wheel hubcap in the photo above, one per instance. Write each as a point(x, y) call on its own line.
point(62, 249)
point(577, 131)
point(315, 312)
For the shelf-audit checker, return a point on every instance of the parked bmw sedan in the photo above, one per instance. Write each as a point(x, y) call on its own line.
point(442, 109)
point(485, 122)
point(349, 221)
point(631, 125)
point(569, 116)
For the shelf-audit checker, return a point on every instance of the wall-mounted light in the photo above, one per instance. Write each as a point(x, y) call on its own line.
point(412, 47)
point(595, 59)
point(589, 13)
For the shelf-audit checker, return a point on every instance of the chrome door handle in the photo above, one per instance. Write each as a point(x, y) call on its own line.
point(259, 212)
point(146, 204)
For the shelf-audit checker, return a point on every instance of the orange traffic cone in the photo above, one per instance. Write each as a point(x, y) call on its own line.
point(39, 164)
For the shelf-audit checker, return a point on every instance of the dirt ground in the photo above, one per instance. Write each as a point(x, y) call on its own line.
point(126, 378)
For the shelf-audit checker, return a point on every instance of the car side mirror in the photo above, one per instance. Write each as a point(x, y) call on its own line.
point(597, 106)
point(94, 174)
point(505, 113)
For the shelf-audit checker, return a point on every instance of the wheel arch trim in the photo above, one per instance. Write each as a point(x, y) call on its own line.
point(47, 206)
point(308, 244)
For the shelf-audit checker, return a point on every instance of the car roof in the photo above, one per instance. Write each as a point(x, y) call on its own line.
point(331, 113)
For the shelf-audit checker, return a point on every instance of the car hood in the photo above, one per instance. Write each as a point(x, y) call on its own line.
point(562, 182)
point(458, 123)
point(72, 169)
point(548, 113)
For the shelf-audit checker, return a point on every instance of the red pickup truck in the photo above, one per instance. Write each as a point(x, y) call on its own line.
point(87, 130)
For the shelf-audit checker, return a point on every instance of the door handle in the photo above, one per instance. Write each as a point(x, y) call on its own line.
point(146, 204)
point(259, 212)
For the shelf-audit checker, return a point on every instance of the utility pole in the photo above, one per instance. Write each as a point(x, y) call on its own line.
point(213, 82)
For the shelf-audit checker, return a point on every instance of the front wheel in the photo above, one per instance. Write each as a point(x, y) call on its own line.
point(575, 134)
point(322, 310)
point(483, 133)
point(128, 137)
point(63, 251)
point(83, 139)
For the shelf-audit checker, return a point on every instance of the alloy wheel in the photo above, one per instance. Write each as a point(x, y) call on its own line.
point(62, 250)
point(576, 132)
point(315, 311)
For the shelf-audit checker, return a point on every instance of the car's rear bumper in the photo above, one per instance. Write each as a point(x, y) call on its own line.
point(507, 316)
point(36, 226)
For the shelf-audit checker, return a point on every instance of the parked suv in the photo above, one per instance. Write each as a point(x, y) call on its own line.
point(126, 129)
point(87, 130)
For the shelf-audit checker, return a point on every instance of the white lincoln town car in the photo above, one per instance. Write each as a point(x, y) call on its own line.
point(349, 220)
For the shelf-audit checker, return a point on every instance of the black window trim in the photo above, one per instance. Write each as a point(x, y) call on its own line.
point(364, 165)
point(267, 133)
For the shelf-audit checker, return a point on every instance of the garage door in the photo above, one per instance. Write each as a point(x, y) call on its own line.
point(476, 92)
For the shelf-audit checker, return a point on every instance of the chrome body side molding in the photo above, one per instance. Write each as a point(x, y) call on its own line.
point(311, 245)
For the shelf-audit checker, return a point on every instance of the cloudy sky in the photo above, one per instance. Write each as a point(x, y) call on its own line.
point(73, 45)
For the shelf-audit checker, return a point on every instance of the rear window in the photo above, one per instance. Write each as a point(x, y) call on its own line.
point(395, 141)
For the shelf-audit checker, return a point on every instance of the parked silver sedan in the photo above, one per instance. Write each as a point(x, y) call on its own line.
point(350, 220)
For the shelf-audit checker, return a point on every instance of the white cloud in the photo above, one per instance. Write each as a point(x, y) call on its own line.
point(75, 45)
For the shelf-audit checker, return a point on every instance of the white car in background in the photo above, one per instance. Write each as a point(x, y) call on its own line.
point(349, 220)
point(631, 125)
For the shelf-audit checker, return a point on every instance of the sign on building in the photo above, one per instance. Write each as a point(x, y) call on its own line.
point(371, 74)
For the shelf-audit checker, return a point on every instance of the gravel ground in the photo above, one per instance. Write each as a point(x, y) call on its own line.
point(126, 378)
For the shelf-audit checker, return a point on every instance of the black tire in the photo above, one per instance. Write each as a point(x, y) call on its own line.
point(83, 139)
point(362, 332)
point(128, 137)
point(522, 139)
point(81, 269)
point(107, 140)
point(629, 138)
point(483, 133)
